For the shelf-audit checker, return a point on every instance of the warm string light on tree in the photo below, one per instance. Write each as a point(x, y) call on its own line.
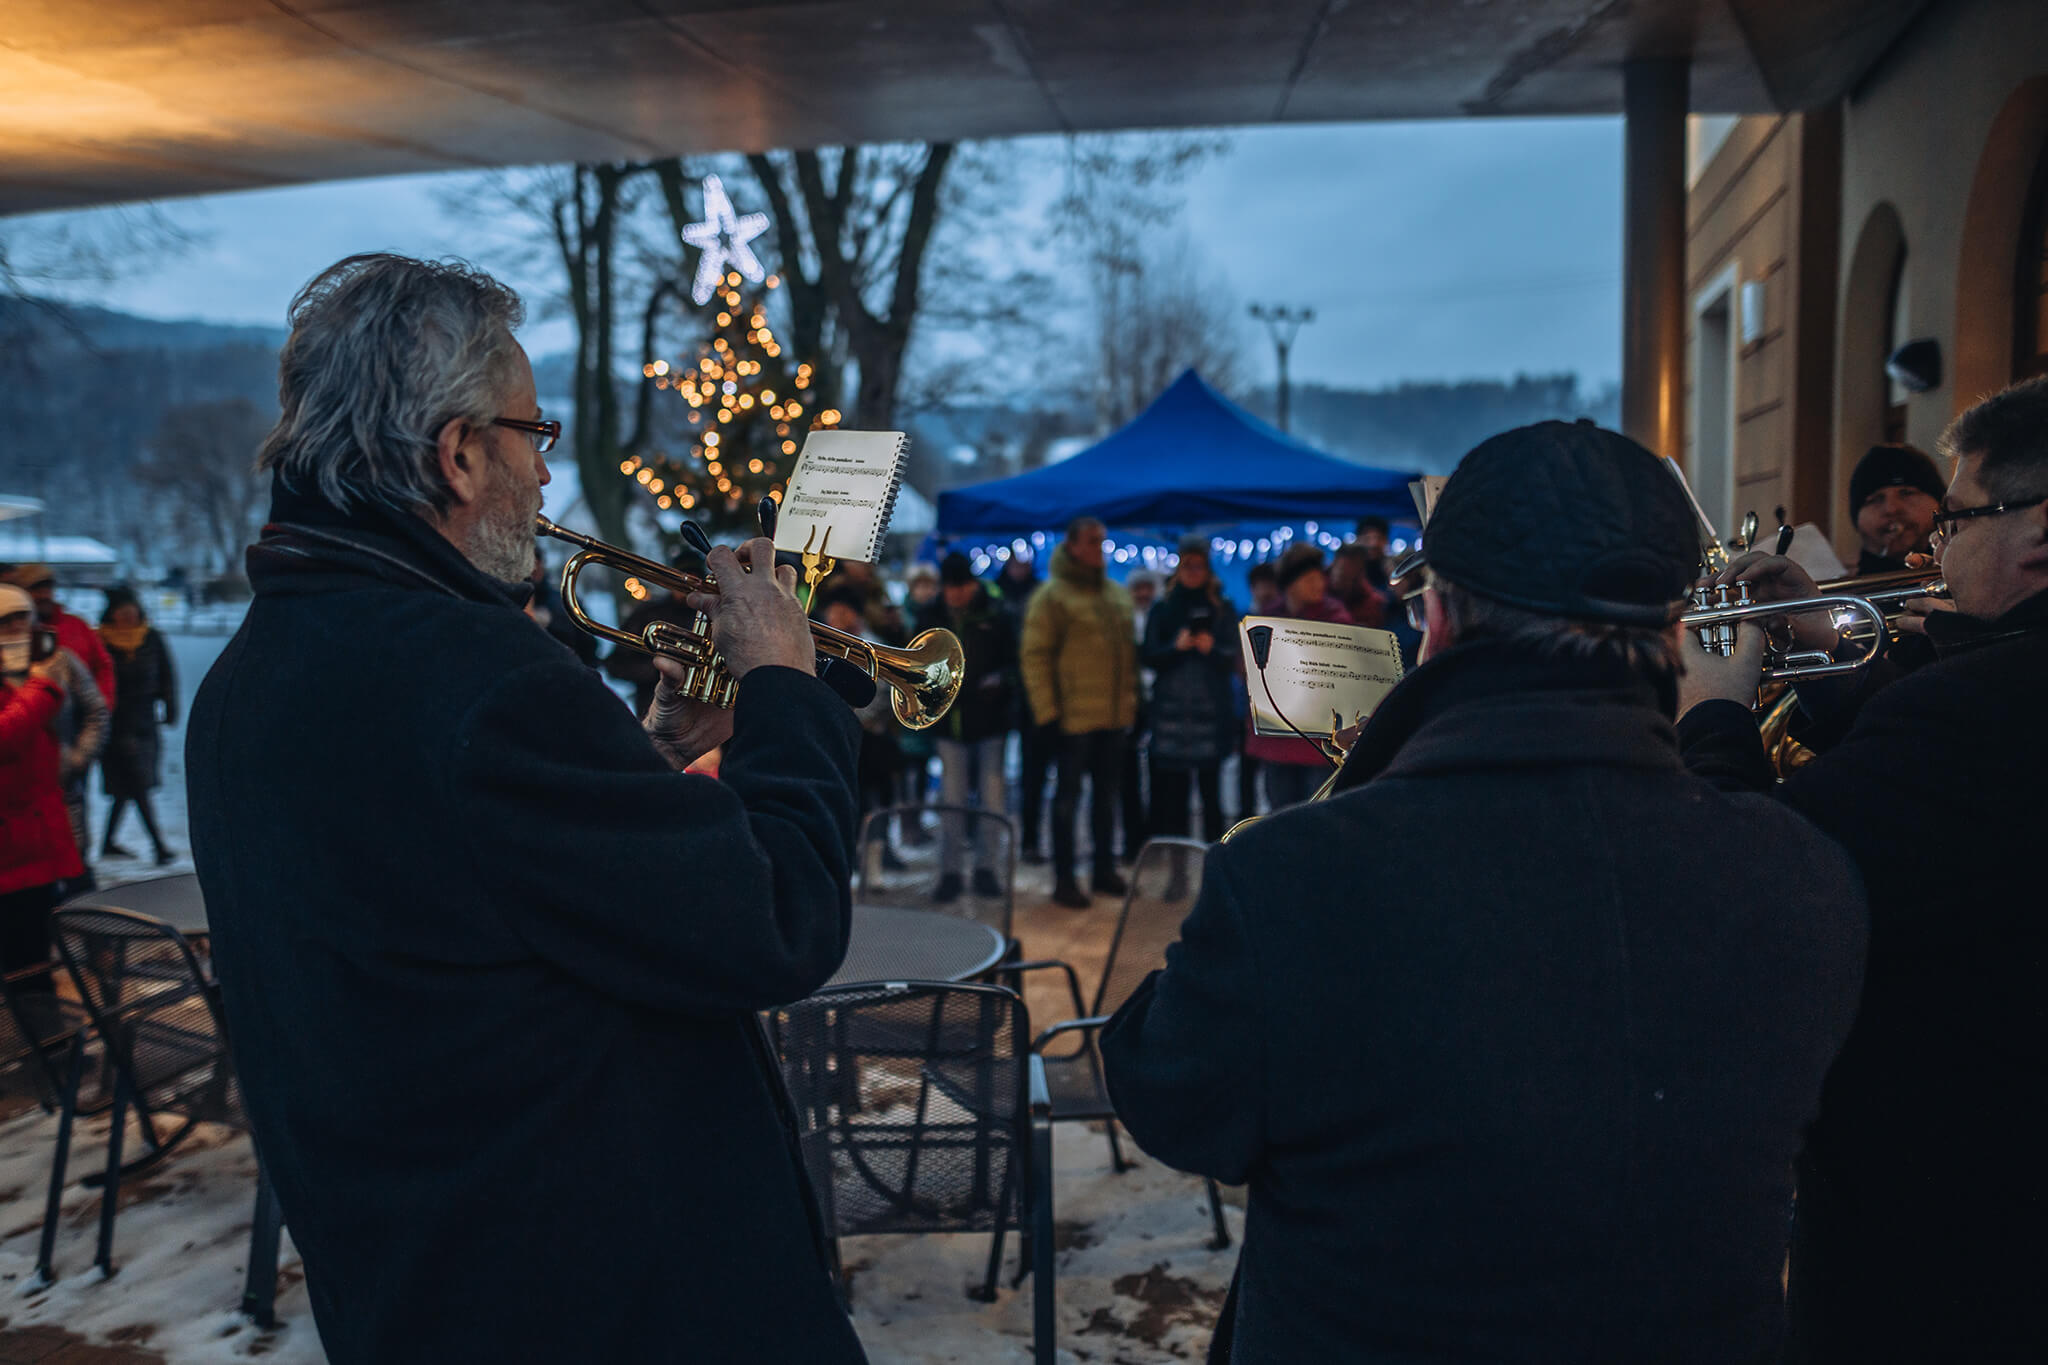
point(747, 410)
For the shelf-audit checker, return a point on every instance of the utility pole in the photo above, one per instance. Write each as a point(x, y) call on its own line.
point(1283, 324)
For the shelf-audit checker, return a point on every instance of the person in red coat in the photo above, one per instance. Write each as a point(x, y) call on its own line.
point(73, 633)
point(36, 847)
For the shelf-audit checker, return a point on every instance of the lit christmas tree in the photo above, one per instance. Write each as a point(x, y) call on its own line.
point(747, 412)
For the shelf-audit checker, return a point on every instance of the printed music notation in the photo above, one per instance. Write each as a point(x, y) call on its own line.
point(1323, 677)
point(842, 494)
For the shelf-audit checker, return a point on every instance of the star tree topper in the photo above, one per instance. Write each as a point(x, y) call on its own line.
point(722, 238)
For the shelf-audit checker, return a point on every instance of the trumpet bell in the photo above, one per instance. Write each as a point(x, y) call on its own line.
point(923, 676)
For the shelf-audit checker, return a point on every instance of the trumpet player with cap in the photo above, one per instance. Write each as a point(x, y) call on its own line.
point(1922, 1192)
point(491, 961)
point(1893, 495)
point(1542, 1101)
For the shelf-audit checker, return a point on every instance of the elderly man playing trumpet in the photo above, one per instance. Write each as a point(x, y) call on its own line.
point(1921, 1192)
point(491, 962)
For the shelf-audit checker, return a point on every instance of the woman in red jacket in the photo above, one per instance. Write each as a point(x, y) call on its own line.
point(36, 848)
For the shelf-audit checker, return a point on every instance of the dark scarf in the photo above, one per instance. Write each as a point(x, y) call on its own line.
point(309, 544)
point(1486, 668)
point(1953, 633)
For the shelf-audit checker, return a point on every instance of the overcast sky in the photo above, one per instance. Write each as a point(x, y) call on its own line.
point(1428, 250)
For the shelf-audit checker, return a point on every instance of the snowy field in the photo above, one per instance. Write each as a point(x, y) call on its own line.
point(1137, 1282)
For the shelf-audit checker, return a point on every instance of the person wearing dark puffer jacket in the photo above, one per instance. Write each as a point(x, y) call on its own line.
point(37, 851)
point(146, 682)
point(1191, 646)
point(971, 737)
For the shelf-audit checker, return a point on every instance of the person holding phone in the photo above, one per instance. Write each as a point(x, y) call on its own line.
point(36, 848)
point(1191, 646)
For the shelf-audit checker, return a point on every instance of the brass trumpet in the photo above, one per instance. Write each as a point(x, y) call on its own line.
point(1862, 610)
point(923, 676)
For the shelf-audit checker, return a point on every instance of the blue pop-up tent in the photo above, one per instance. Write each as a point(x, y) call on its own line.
point(1192, 458)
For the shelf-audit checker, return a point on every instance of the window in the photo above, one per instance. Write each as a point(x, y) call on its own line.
point(1713, 401)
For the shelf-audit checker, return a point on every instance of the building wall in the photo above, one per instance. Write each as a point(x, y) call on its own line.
point(1761, 214)
point(1939, 146)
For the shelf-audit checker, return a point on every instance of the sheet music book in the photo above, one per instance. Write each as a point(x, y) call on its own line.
point(1323, 677)
point(842, 494)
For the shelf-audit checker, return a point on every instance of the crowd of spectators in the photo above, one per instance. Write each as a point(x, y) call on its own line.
point(1127, 701)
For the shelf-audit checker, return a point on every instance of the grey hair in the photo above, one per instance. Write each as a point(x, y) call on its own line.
point(385, 350)
point(1646, 651)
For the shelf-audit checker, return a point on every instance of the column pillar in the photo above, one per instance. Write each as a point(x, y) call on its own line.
point(1655, 96)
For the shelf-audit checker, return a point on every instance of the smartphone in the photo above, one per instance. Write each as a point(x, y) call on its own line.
point(42, 644)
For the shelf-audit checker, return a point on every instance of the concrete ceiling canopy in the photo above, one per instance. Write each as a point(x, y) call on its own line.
point(133, 99)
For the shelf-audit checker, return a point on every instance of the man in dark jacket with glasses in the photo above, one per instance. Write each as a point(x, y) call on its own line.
point(492, 963)
point(1922, 1194)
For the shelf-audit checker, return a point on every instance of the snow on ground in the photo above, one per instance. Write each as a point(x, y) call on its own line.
point(1137, 1282)
point(181, 1244)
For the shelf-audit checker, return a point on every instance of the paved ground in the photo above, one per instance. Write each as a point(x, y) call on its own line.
point(55, 1346)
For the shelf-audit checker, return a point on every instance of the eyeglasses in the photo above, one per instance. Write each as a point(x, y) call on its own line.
point(1418, 613)
point(1946, 520)
point(542, 434)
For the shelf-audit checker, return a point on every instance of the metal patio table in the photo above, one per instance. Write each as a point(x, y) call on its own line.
point(896, 943)
point(176, 900)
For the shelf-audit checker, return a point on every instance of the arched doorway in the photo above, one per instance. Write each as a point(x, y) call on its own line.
point(2002, 226)
point(2030, 286)
point(1875, 304)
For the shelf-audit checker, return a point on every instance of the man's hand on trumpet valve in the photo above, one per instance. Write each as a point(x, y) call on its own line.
point(1710, 677)
point(683, 731)
point(1776, 578)
point(756, 621)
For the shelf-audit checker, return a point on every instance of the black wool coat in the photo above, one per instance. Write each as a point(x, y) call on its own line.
point(143, 677)
point(1923, 1193)
point(491, 968)
point(1536, 1095)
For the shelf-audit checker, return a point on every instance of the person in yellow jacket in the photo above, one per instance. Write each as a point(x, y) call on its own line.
point(1080, 662)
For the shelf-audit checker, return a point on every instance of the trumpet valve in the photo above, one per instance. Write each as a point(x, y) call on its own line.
point(691, 644)
point(1724, 632)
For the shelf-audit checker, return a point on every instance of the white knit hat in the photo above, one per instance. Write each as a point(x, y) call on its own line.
point(13, 599)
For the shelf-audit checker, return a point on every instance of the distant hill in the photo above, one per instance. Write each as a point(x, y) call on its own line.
point(74, 326)
point(83, 391)
point(1425, 425)
point(1429, 425)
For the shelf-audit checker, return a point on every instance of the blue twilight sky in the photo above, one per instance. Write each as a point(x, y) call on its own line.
point(1428, 250)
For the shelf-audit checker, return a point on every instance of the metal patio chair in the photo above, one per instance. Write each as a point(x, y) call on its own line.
point(920, 1108)
point(159, 1022)
point(1164, 885)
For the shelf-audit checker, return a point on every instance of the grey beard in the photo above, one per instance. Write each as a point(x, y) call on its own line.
point(503, 548)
